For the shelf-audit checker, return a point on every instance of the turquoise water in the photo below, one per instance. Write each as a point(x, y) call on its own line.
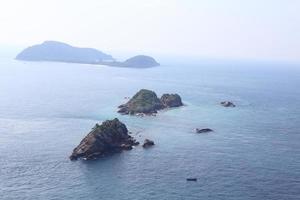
point(47, 108)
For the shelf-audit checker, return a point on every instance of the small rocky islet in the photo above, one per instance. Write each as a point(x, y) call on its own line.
point(110, 137)
point(146, 102)
point(148, 143)
point(203, 130)
point(227, 104)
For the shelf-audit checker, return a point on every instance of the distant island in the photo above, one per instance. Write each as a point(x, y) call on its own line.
point(146, 102)
point(140, 60)
point(60, 52)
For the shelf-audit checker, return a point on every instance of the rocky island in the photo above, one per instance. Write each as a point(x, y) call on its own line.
point(61, 52)
point(109, 137)
point(147, 102)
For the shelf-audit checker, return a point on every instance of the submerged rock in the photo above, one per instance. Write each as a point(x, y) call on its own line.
point(147, 102)
point(227, 104)
point(148, 143)
point(191, 179)
point(203, 130)
point(109, 137)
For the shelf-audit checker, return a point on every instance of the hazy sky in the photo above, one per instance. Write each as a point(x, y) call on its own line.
point(260, 29)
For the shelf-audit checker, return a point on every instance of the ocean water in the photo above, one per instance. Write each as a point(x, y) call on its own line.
point(254, 153)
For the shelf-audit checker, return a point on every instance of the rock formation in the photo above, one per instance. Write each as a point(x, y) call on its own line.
point(147, 102)
point(148, 143)
point(227, 104)
point(109, 137)
point(171, 100)
point(203, 130)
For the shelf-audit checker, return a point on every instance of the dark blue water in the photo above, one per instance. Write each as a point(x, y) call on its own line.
point(47, 108)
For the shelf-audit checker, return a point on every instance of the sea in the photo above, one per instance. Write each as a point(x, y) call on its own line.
point(46, 109)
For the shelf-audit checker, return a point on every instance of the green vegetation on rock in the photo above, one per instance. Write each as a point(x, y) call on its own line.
point(147, 102)
point(109, 137)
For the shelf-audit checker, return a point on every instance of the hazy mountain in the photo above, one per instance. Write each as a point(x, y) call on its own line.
point(58, 51)
point(141, 61)
point(61, 52)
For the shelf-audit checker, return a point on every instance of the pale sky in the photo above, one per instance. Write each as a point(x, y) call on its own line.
point(250, 29)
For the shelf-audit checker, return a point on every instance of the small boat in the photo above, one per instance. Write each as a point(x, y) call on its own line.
point(191, 179)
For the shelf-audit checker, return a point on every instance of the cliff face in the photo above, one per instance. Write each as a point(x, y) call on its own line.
point(109, 137)
point(147, 102)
